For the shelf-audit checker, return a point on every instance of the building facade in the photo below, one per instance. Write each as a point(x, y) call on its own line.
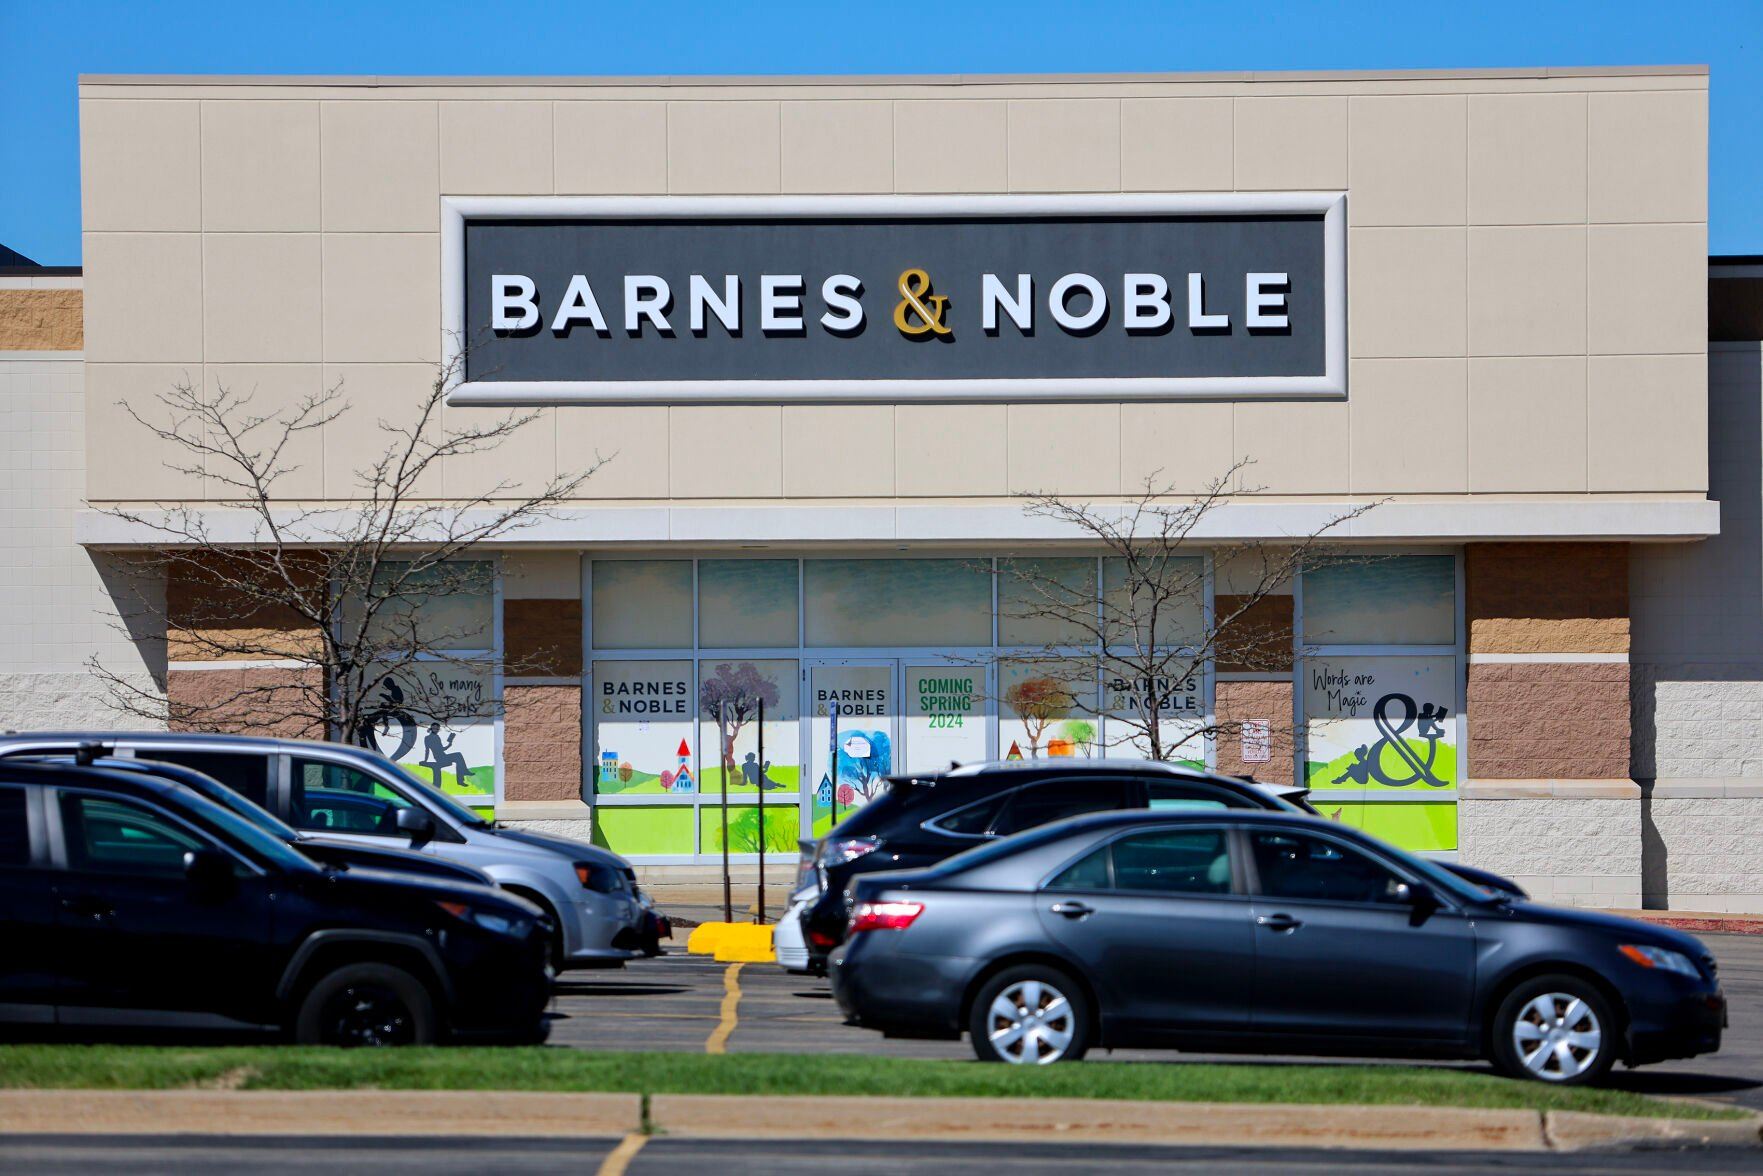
point(821, 339)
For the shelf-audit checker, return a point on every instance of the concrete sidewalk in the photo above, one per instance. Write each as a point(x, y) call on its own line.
point(734, 1117)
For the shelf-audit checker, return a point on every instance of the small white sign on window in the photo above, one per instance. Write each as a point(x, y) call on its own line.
point(1257, 741)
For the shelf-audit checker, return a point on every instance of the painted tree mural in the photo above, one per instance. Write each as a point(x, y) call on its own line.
point(730, 697)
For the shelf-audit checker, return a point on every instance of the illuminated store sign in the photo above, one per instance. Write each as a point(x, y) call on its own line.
point(668, 299)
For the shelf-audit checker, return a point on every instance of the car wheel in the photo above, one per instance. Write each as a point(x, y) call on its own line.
point(1030, 1015)
point(366, 1005)
point(1555, 1029)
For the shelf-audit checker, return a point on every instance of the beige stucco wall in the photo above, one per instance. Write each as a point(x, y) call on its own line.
point(1527, 258)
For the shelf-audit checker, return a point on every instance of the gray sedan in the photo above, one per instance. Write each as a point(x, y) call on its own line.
point(1259, 932)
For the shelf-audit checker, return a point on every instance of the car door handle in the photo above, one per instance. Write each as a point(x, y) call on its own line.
point(88, 907)
point(1279, 922)
point(1073, 910)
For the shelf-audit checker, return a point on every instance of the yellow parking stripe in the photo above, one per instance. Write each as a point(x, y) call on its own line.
point(731, 998)
point(620, 1157)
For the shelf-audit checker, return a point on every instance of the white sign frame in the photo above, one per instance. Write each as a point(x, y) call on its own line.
point(1332, 383)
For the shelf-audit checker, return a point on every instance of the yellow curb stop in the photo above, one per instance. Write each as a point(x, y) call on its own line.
point(746, 943)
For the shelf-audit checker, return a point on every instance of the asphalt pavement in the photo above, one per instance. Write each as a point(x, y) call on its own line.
point(660, 1156)
point(674, 1003)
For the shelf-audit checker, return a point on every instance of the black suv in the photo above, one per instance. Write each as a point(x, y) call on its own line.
point(920, 820)
point(130, 901)
point(323, 850)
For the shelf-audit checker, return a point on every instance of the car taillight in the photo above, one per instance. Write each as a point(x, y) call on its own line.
point(847, 849)
point(884, 916)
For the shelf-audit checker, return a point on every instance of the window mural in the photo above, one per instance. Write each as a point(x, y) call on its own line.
point(1047, 709)
point(924, 603)
point(945, 717)
point(1181, 716)
point(729, 697)
point(1381, 723)
point(437, 721)
point(850, 737)
point(642, 603)
point(1387, 600)
point(643, 728)
point(747, 604)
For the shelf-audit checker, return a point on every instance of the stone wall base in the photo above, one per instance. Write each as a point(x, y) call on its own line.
point(77, 701)
point(1571, 842)
point(1702, 850)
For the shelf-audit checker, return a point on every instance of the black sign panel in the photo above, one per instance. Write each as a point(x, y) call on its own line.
point(752, 306)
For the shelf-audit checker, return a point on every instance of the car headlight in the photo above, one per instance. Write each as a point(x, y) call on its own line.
point(492, 921)
point(601, 879)
point(1661, 958)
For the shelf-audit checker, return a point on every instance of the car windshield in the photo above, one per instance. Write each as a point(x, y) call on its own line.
point(226, 798)
point(241, 831)
point(433, 796)
point(1437, 875)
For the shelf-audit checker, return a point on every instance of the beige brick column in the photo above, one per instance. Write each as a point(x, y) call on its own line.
point(1254, 683)
point(1548, 798)
point(542, 695)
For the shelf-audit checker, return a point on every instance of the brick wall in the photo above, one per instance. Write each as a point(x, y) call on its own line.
point(1548, 680)
point(542, 742)
point(42, 320)
point(1236, 701)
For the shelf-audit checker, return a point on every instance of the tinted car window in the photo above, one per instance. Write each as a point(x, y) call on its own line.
point(1189, 794)
point(1054, 800)
point(341, 799)
point(1297, 865)
point(1089, 872)
point(973, 820)
point(115, 836)
point(1186, 861)
point(248, 775)
point(15, 830)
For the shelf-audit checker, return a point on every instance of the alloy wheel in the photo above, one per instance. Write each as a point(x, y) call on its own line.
point(368, 1015)
point(1557, 1036)
point(1031, 1023)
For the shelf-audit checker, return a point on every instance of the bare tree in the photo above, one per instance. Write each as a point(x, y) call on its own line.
point(365, 604)
point(1145, 628)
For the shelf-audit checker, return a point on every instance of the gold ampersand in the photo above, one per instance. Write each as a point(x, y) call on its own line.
point(914, 293)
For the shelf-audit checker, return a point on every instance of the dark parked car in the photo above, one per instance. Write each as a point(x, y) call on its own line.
point(127, 900)
point(319, 849)
point(1260, 932)
point(920, 820)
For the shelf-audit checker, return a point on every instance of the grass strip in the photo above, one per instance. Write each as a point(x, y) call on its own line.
point(129, 1067)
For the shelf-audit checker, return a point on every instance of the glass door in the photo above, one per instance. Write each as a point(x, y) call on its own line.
point(853, 709)
point(947, 718)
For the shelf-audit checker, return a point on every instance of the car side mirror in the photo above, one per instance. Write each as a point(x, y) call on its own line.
point(418, 824)
point(1420, 900)
point(209, 872)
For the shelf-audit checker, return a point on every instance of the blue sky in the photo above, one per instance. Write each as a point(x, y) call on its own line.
point(47, 44)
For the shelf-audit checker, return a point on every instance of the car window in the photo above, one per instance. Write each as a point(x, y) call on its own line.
point(1089, 872)
point(1298, 865)
point(332, 797)
point(119, 837)
point(248, 775)
point(1173, 861)
point(1190, 794)
point(973, 820)
point(1054, 800)
point(15, 829)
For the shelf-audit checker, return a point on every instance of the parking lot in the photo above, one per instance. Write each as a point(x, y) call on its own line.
point(678, 1003)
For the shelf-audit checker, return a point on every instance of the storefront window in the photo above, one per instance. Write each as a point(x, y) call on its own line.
point(1175, 585)
point(747, 604)
point(643, 728)
point(945, 716)
point(449, 606)
point(1381, 600)
point(1040, 601)
point(1384, 725)
point(731, 695)
point(919, 603)
point(1180, 713)
point(642, 603)
point(1047, 709)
